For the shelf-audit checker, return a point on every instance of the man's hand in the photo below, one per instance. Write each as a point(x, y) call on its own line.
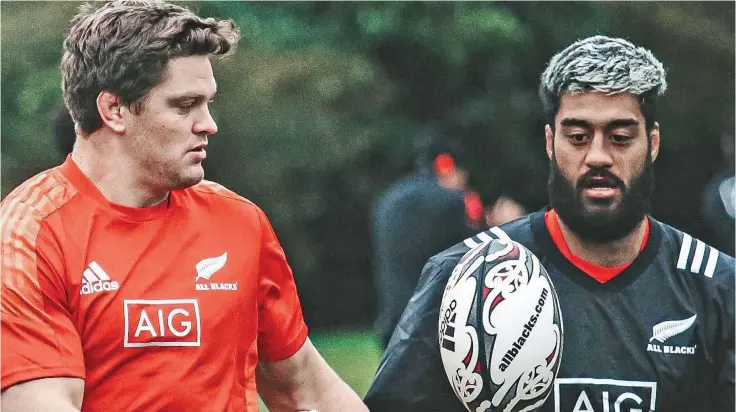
point(305, 382)
point(44, 395)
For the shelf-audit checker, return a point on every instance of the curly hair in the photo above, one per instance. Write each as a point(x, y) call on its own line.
point(604, 64)
point(124, 47)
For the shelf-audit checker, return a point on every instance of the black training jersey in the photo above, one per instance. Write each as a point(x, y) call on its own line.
point(657, 337)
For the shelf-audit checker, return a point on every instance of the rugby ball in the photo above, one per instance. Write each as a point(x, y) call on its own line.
point(500, 329)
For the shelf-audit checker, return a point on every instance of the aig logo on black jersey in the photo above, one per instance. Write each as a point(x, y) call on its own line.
point(664, 331)
point(604, 395)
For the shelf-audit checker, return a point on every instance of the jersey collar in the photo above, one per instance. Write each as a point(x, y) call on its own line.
point(630, 273)
point(71, 171)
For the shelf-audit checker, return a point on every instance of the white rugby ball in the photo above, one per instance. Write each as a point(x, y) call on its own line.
point(500, 329)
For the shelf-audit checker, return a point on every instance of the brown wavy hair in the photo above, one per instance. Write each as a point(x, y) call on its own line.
point(124, 46)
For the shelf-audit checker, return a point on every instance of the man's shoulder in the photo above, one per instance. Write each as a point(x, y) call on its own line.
point(688, 256)
point(519, 230)
point(36, 198)
point(23, 216)
point(216, 200)
point(213, 192)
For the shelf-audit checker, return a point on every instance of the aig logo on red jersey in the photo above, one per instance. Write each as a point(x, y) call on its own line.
point(169, 322)
point(604, 395)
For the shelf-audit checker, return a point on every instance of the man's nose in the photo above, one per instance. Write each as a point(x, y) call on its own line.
point(205, 125)
point(598, 154)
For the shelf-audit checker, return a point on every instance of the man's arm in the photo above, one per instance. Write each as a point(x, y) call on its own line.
point(305, 381)
point(41, 359)
point(44, 395)
point(725, 398)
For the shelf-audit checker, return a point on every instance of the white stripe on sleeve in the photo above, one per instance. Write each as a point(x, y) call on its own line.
point(684, 251)
point(710, 267)
point(698, 257)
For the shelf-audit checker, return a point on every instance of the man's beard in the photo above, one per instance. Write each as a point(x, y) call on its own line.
point(606, 225)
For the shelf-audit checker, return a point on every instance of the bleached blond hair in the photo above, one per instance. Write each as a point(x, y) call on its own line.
point(605, 64)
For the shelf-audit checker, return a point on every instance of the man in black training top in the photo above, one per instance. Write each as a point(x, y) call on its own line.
point(619, 273)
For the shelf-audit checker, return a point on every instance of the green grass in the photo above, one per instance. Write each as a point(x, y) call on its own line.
point(353, 354)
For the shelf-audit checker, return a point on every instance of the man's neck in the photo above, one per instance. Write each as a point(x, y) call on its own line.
point(611, 254)
point(115, 176)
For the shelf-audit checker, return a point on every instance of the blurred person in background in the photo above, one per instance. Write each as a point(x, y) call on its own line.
point(63, 131)
point(719, 197)
point(128, 281)
point(511, 203)
point(503, 210)
point(416, 217)
point(514, 199)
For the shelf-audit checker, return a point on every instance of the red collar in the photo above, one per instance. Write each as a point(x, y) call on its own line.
point(599, 273)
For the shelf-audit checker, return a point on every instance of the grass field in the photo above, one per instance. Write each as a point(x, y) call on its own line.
point(354, 355)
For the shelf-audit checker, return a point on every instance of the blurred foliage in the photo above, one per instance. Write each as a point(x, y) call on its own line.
point(319, 107)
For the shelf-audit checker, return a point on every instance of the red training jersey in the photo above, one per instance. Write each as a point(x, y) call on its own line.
point(155, 308)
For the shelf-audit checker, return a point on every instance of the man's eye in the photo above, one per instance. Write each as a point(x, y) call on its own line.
point(185, 107)
point(578, 138)
point(621, 138)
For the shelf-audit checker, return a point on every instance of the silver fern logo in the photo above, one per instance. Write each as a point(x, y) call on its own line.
point(665, 330)
point(208, 267)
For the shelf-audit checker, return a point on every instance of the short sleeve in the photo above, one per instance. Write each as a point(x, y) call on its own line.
point(281, 327)
point(251, 391)
point(39, 339)
point(410, 377)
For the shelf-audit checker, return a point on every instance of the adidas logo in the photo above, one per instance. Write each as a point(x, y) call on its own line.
point(447, 327)
point(448, 336)
point(95, 280)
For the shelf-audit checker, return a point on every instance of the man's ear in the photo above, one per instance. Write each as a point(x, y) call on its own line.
point(549, 138)
point(111, 108)
point(654, 137)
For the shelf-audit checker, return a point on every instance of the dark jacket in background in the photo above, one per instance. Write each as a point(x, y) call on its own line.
point(718, 211)
point(412, 221)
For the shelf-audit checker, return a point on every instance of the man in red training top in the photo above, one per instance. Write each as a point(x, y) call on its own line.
point(128, 282)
